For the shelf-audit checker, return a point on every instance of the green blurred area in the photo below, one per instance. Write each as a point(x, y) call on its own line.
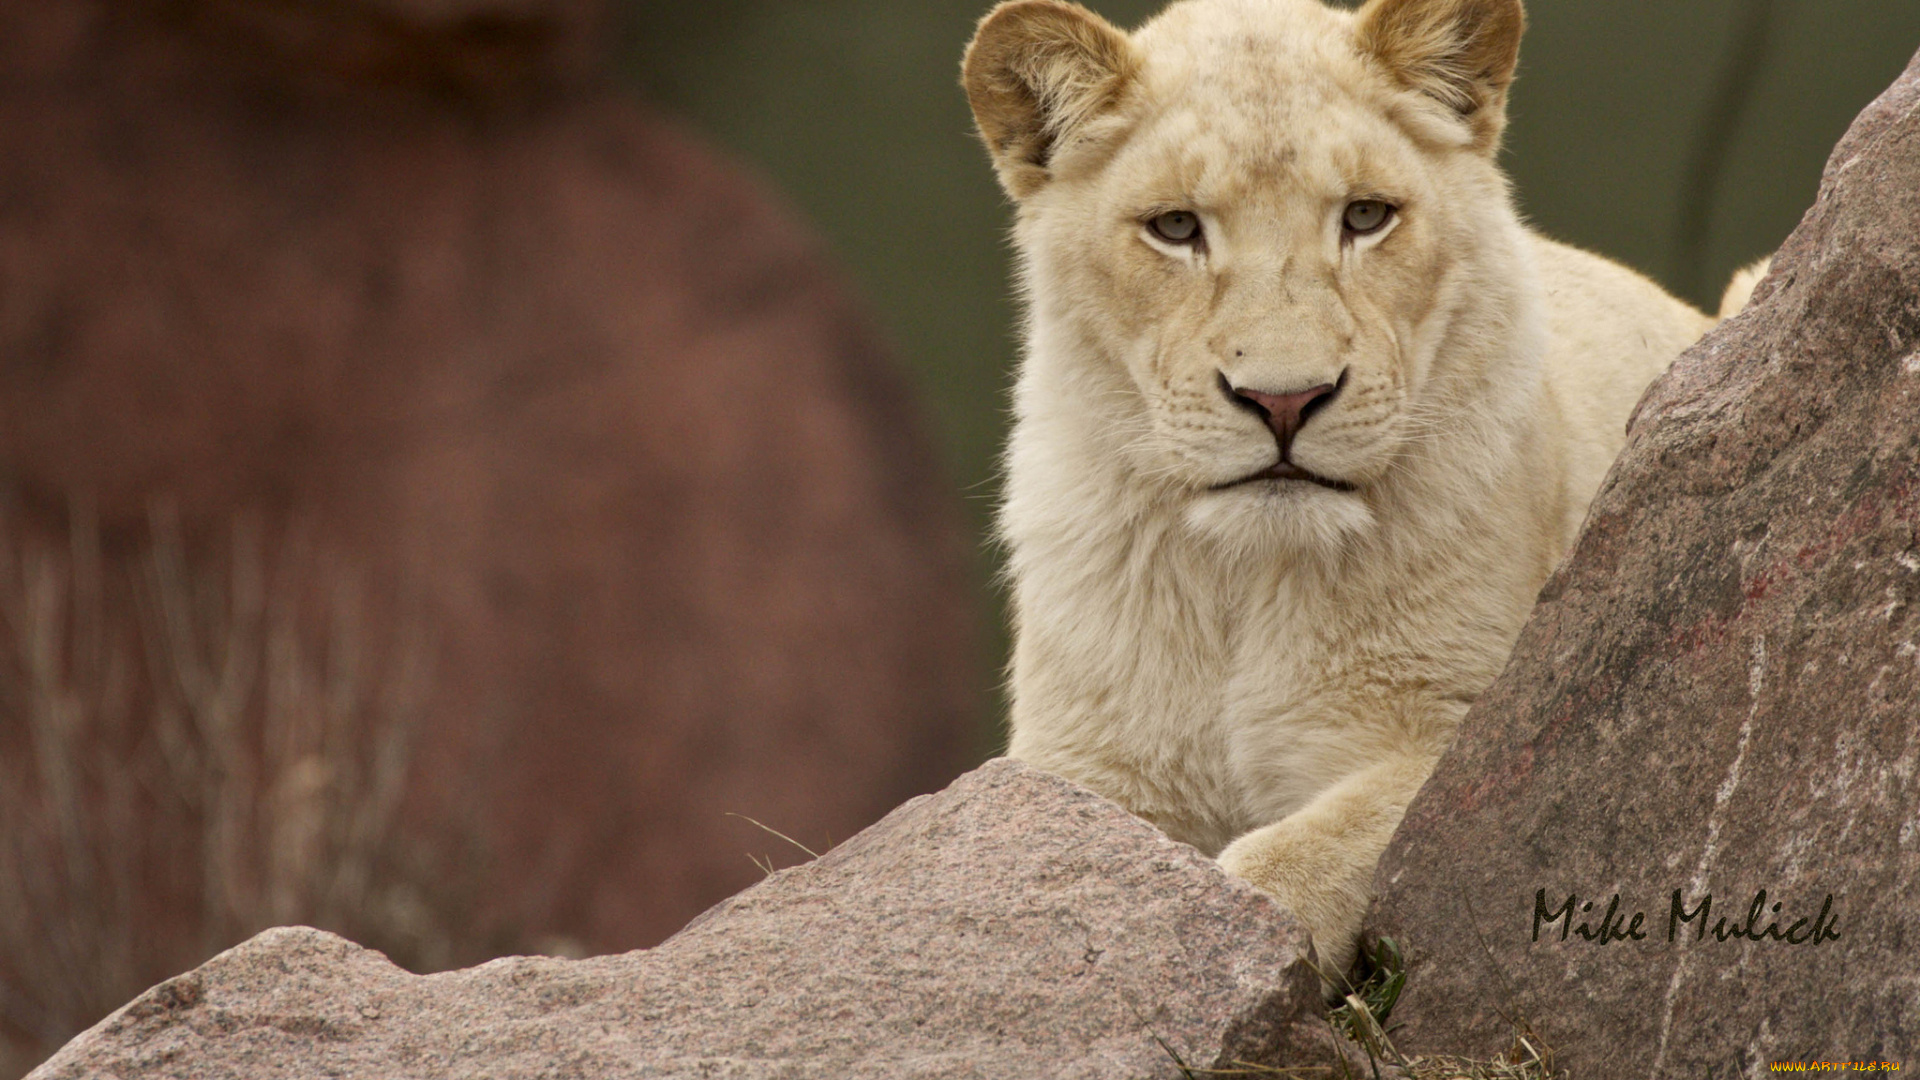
point(853, 110)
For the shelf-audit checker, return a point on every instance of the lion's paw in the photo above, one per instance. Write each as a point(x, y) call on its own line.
point(1325, 887)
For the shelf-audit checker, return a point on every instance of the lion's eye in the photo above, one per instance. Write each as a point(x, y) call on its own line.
point(1367, 216)
point(1176, 227)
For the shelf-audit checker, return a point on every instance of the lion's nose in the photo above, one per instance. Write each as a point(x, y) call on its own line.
point(1284, 413)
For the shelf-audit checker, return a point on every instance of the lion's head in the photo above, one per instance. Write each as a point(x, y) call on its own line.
point(1265, 241)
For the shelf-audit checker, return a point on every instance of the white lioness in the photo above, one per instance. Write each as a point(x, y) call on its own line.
point(1306, 414)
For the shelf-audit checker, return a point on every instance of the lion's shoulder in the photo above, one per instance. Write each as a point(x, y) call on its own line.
point(1611, 332)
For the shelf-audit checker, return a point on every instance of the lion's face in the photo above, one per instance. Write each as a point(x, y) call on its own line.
point(1264, 237)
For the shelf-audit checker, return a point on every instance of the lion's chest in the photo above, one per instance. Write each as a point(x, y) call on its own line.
point(1192, 701)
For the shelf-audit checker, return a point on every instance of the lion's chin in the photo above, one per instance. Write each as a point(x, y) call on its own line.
point(1262, 513)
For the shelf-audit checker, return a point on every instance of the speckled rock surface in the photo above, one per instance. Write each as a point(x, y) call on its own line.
point(1014, 925)
point(1719, 694)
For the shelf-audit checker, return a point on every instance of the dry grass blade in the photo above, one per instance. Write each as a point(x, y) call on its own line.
point(811, 854)
point(1525, 1061)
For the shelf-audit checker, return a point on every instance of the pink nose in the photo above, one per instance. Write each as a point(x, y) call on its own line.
point(1285, 413)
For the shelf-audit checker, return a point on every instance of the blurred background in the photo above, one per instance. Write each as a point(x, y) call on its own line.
point(494, 476)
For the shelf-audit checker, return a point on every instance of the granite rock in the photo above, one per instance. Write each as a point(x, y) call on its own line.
point(1719, 694)
point(1014, 925)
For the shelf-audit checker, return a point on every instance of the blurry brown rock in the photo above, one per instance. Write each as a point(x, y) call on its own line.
point(1014, 925)
point(1719, 695)
point(384, 324)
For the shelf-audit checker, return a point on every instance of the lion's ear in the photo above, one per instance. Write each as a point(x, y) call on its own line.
point(1461, 52)
point(1037, 72)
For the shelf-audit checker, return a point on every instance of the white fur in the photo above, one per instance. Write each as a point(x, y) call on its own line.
point(1268, 672)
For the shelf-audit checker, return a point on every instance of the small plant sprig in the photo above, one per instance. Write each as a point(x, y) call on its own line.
point(1362, 1016)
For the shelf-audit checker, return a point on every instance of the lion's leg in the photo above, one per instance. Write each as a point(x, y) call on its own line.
point(1318, 861)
